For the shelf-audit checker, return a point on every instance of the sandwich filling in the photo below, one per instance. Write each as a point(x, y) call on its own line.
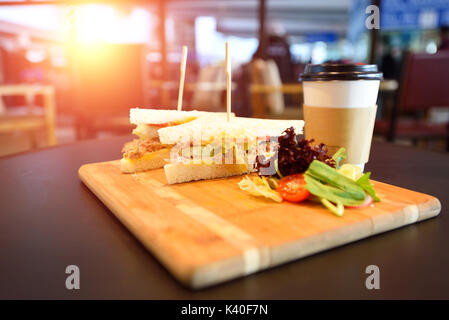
point(148, 143)
point(149, 151)
point(174, 123)
point(139, 148)
point(226, 151)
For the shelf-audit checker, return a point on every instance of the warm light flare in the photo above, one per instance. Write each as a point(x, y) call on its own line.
point(95, 23)
point(99, 23)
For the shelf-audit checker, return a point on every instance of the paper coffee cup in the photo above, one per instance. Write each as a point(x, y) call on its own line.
point(340, 107)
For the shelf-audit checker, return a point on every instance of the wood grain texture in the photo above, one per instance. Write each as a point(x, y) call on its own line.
point(207, 232)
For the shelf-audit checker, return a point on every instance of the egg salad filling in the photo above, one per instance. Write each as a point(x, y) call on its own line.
point(226, 152)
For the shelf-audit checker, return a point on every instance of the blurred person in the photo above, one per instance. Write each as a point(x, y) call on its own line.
point(277, 48)
point(391, 62)
point(444, 38)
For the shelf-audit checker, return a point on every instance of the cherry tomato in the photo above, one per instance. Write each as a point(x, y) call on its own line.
point(293, 188)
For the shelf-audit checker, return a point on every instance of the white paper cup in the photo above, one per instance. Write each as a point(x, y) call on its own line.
point(340, 93)
point(340, 107)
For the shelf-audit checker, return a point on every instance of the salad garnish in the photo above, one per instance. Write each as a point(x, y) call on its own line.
point(259, 186)
point(308, 172)
point(293, 154)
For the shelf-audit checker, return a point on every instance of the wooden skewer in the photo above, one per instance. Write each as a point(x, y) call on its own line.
point(228, 81)
point(182, 76)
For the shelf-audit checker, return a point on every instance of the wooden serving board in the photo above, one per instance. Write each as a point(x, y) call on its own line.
point(207, 232)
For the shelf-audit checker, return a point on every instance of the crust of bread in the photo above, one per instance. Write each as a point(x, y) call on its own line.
point(153, 160)
point(179, 172)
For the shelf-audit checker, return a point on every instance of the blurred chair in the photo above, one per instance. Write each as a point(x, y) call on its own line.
point(207, 95)
point(267, 92)
point(209, 89)
point(423, 86)
point(30, 118)
point(111, 80)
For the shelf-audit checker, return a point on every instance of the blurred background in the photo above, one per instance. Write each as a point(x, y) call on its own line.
point(70, 70)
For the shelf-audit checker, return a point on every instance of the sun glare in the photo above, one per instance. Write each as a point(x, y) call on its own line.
point(97, 23)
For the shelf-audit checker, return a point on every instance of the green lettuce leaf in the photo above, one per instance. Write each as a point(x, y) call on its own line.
point(339, 156)
point(367, 186)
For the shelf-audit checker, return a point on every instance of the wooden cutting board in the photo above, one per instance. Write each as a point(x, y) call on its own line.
point(208, 232)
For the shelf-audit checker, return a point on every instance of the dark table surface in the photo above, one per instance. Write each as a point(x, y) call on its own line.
point(50, 220)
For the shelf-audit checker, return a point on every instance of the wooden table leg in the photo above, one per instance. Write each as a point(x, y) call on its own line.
point(50, 115)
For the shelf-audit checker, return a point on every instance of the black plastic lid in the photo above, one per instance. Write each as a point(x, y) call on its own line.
point(329, 71)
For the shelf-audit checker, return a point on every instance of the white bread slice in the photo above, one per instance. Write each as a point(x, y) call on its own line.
point(161, 116)
point(179, 172)
point(210, 128)
point(153, 160)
